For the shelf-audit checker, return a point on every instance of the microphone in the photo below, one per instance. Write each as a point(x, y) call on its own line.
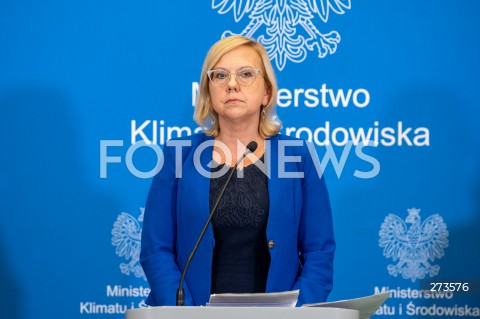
point(251, 147)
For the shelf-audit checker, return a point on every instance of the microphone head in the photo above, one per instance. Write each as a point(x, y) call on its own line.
point(252, 146)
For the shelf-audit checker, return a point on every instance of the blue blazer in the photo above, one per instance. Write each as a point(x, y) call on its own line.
point(299, 223)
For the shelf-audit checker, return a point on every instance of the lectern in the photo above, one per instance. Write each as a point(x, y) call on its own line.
point(241, 313)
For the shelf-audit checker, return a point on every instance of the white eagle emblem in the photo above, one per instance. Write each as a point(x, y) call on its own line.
point(288, 27)
point(126, 236)
point(414, 247)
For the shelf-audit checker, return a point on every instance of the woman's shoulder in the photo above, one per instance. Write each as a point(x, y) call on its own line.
point(280, 137)
point(190, 140)
point(283, 137)
point(291, 143)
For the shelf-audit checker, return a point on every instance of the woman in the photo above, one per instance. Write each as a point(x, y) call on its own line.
point(273, 228)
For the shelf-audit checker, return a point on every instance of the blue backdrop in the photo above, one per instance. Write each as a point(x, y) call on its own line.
point(81, 81)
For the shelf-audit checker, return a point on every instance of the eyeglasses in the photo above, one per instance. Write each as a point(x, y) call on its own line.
point(245, 76)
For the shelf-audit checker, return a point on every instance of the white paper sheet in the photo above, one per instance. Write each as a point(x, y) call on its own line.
point(275, 299)
point(367, 306)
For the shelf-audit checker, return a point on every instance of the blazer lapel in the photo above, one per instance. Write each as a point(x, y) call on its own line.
point(204, 181)
point(274, 186)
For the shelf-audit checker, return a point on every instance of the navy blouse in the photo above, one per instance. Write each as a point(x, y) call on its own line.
point(240, 258)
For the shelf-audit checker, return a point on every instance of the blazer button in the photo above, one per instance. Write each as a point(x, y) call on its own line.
point(271, 244)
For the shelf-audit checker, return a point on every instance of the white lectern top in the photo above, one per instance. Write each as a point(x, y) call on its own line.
point(241, 313)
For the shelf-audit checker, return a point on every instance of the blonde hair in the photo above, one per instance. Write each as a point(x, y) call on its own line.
point(204, 114)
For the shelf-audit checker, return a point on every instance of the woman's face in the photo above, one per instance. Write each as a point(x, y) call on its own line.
point(235, 102)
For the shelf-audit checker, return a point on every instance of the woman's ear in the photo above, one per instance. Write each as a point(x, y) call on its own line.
point(267, 96)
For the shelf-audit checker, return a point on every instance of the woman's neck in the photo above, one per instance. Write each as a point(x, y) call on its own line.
point(236, 143)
